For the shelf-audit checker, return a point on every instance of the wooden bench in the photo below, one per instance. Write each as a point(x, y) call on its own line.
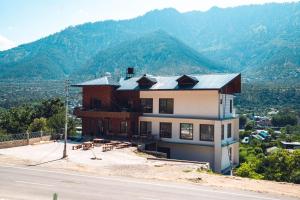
point(79, 146)
point(123, 145)
point(107, 147)
point(87, 145)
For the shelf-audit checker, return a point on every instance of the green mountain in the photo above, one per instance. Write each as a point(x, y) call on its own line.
point(156, 52)
point(261, 41)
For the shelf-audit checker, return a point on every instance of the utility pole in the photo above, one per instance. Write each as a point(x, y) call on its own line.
point(66, 117)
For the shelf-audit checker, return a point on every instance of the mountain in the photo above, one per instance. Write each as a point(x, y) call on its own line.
point(156, 52)
point(261, 41)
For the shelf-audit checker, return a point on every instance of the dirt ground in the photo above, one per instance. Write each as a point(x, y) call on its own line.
point(126, 162)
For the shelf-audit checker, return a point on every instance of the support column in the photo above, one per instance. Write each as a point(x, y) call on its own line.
point(217, 148)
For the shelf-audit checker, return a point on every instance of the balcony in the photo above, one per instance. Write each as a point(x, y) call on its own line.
point(103, 113)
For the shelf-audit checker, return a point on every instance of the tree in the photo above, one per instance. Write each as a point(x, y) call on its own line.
point(284, 118)
point(38, 124)
point(56, 124)
point(250, 126)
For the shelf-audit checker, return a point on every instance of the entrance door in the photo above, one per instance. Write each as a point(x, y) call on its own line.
point(100, 128)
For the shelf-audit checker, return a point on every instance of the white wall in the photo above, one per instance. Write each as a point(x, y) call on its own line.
point(176, 129)
point(196, 103)
point(225, 106)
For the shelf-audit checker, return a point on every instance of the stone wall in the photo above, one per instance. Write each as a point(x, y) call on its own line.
point(16, 143)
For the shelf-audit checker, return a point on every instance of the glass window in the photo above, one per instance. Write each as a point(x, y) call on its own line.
point(165, 130)
point(145, 128)
point(123, 127)
point(186, 131)
point(230, 106)
point(206, 132)
point(147, 105)
point(166, 106)
point(228, 130)
point(95, 103)
point(222, 132)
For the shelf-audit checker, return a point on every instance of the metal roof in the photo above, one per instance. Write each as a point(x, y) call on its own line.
point(206, 81)
point(105, 80)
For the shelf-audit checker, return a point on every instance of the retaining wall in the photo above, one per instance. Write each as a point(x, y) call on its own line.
point(16, 143)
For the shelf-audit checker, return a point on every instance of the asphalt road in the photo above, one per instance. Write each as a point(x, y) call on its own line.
point(41, 183)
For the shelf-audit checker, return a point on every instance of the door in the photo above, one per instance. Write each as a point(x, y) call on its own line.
point(100, 128)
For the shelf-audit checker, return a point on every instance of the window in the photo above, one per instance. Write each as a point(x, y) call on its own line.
point(186, 131)
point(230, 108)
point(165, 130)
point(123, 127)
point(166, 106)
point(95, 103)
point(145, 128)
point(228, 130)
point(206, 132)
point(222, 132)
point(147, 105)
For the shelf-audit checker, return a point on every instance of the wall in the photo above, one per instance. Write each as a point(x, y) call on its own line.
point(190, 152)
point(176, 129)
point(225, 106)
point(197, 103)
point(16, 143)
point(103, 93)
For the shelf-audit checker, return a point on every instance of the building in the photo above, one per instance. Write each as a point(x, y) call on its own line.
point(290, 145)
point(191, 116)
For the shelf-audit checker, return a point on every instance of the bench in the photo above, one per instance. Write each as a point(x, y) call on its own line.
point(79, 146)
point(107, 147)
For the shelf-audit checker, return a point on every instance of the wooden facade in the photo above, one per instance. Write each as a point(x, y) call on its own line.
point(108, 112)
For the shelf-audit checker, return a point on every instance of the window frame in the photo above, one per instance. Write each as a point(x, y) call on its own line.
point(163, 135)
point(229, 127)
point(149, 124)
point(230, 105)
point(222, 132)
point(143, 106)
point(121, 127)
point(201, 132)
point(190, 131)
point(163, 102)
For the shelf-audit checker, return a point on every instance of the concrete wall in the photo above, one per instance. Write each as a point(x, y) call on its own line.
point(225, 106)
point(16, 143)
point(190, 152)
point(176, 129)
point(196, 103)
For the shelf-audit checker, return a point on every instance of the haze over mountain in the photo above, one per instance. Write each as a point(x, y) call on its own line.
point(155, 52)
point(262, 41)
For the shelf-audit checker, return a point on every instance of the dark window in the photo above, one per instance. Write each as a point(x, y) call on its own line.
point(186, 131)
point(145, 128)
point(230, 110)
point(166, 106)
point(206, 132)
point(147, 105)
point(228, 130)
point(123, 127)
point(165, 130)
point(95, 103)
point(222, 132)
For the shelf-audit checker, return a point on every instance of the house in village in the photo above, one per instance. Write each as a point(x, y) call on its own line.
point(191, 117)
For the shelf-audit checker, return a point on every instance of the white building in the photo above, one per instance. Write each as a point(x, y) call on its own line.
point(192, 116)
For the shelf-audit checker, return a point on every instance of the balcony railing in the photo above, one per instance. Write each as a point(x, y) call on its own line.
point(110, 113)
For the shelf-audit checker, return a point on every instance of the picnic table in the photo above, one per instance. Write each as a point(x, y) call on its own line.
point(87, 145)
point(107, 147)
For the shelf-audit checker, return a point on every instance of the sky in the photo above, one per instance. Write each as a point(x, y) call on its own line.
point(23, 21)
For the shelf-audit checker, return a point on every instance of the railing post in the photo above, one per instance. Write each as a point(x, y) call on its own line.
point(27, 136)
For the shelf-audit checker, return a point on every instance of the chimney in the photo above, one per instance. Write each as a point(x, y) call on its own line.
point(129, 73)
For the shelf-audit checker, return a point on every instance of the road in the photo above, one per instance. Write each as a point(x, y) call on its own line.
point(41, 183)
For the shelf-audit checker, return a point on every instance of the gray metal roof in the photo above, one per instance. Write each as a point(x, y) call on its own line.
point(105, 80)
point(206, 81)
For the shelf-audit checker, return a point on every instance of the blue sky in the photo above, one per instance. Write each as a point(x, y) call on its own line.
point(23, 21)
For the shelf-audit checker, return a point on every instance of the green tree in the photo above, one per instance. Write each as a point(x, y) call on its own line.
point(56, 124)
point(38, 124)
point(250, 126)
point(284, 118)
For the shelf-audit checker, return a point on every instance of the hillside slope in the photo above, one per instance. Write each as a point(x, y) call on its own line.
point(156, 52)
point(262, 41)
